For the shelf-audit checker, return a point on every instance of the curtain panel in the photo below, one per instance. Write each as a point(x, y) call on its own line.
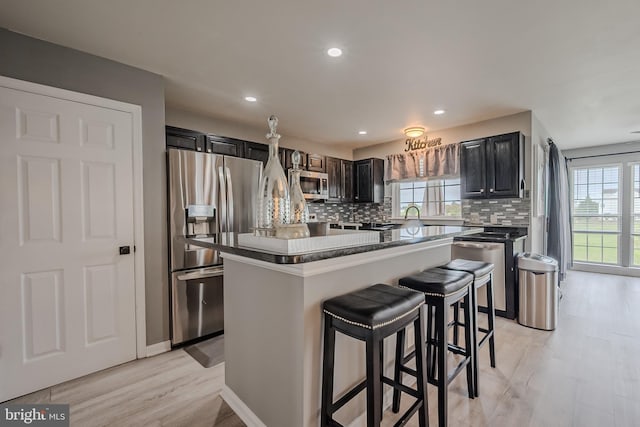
point(443, 160)
point(559, 234)
point(429, 163)
point(402, 166)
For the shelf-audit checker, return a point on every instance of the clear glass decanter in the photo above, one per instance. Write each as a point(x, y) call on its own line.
point(299, 209)
point(274, 202)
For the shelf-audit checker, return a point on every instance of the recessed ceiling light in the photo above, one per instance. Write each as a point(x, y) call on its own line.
point(438, 112)
point(362, 132)
point(250, 98)
point(334, 52)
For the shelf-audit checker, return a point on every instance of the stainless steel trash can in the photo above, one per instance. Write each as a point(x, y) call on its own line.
point(538, 288)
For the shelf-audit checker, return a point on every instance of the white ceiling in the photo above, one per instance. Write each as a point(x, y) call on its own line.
point(575, 63)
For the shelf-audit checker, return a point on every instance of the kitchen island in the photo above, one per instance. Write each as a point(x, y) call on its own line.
point(273, 320)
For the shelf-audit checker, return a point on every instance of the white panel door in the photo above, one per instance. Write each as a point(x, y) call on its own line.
point(67, 297)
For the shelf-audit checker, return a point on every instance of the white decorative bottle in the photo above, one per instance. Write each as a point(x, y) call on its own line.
point(274, 202)
point(299, 210)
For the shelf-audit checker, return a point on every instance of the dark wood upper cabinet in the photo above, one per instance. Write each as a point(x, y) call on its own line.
point(185, 139)
point(287, 163)
point(334, 173)
point(369, 181)
point(316, 162)
point(224, 145)
point(472, 168)
point(347, 180)
point(340, 174)
point(256, 151)
point(492, 167)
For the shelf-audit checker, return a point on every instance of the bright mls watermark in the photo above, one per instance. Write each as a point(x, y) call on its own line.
point(41, 415)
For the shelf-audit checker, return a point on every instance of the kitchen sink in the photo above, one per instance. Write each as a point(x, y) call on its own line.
point(381, 226)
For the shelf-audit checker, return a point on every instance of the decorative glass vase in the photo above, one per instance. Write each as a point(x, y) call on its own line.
point(299, 210)
point(274, 203)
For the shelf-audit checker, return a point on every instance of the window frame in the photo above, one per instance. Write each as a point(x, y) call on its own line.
point(632, 214)
point(625, 200)
point(619, 216)
point(395, 201)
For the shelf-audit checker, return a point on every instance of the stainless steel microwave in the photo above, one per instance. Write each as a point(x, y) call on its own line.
point(315, 185)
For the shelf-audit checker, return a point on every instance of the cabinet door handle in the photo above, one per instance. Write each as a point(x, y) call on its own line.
point(491, 190)
point(482, 190)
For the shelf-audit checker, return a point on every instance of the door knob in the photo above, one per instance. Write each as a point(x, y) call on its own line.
point(124, 250)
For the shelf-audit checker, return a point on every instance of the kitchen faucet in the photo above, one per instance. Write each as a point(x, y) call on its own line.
point(407, 212)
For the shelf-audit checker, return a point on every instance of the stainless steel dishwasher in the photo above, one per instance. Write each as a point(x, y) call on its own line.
point(487, 252)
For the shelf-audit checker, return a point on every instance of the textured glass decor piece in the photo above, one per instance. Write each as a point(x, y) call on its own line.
point(299, 209)
point(274, 203)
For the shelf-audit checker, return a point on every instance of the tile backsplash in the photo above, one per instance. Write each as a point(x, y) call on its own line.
point(503, 211)
point(497, 211)
point(352, 212)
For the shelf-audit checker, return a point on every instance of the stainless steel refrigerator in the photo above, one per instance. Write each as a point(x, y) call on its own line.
point(209, 195)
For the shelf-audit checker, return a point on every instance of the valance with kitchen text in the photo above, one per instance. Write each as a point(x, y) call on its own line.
point(440, 161)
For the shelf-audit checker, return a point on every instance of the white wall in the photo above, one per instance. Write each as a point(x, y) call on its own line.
point(202, 123)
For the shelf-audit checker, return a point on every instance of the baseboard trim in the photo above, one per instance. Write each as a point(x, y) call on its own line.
point(606, 269)
point(157, 348)
point(240, 408)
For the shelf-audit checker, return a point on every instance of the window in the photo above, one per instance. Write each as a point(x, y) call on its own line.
point(434, 198)
point(635, 207)
point(596, 215)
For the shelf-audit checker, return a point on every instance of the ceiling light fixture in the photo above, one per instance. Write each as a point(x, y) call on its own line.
point(334, 52)
point(438, 112)
point(414, 131)
point(362, 132)
point(250, 98)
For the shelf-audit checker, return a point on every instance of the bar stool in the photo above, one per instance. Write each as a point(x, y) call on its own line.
point(482, 276)
point(371, 315)
point(441, 289)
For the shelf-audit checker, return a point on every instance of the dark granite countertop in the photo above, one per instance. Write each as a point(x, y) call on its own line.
point(227, 242)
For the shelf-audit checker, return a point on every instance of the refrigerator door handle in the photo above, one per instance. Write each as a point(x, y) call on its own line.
point(230, 197)
point(223, 201)
point(201, 274)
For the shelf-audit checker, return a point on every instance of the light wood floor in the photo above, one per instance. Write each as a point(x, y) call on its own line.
point(170, 389)
point(586, 373)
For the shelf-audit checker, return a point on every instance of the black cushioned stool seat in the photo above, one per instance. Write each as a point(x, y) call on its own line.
point(373, 306)
point(437, 281)
point(371, 315)
point(441, 288)
point(482, 276)
point(477, 268)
